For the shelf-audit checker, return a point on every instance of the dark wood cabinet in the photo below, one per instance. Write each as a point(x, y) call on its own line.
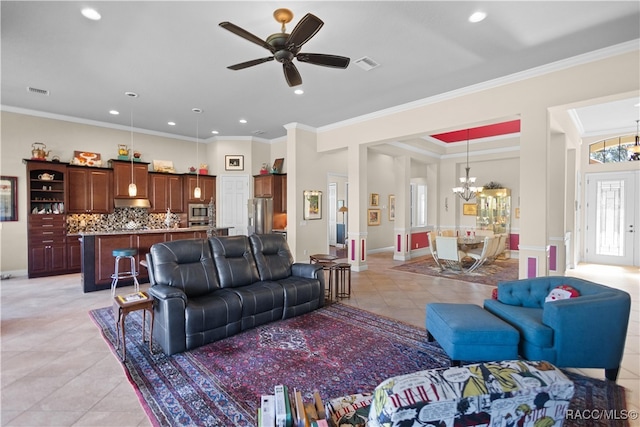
point(47, 245)
point(104, 259)
point(166, 192)
point(74, 254)
point(207, 188)
point(274, 186)
point(90, 190)
point(46, 221)
point(122, 178)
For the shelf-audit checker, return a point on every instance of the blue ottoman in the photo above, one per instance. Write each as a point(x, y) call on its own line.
point(468, 332)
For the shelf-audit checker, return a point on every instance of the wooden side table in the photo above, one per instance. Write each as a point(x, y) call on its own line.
point(122, 307)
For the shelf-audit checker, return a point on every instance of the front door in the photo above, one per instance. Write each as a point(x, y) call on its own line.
point(612, 218)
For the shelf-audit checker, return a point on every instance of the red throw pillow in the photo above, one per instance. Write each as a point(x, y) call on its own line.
point(494, 293)
point(562, 292)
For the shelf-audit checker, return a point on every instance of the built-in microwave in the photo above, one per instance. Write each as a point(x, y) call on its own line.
point(198, 214)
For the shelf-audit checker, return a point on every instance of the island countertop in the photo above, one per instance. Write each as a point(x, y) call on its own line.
point(98, 263)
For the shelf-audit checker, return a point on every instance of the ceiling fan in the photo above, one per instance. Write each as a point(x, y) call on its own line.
point(285, 47)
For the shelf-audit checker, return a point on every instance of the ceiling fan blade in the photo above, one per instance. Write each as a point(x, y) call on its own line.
point(251, 63)
point(291, 74)
point(308, 26)
point(246, 35)
point(324, 60)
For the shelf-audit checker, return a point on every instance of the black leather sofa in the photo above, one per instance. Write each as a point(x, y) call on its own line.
point(209, 289)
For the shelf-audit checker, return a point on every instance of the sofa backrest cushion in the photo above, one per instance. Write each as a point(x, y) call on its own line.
point(272, 256)
point(184, 264)
point(233, 261)
point(533, 292)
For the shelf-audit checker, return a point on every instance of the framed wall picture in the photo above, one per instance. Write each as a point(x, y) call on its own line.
point(277, 166)
point(392, 207)
point(374, 200)
point(312, 204)
point(373, 216)
point(470, 209)
point(234, 163)
point(8, 198)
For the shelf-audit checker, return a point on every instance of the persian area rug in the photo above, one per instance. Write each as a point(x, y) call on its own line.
point(337, 350)
point(488, 274)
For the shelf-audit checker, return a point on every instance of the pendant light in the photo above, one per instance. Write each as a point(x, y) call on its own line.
point(197, 192)
point(636, 148)
point(467, 191)
point(133, 189)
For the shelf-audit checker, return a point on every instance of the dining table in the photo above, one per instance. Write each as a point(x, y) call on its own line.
point(466, 243)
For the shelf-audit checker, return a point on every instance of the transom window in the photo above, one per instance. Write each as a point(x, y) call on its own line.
point(612, 150)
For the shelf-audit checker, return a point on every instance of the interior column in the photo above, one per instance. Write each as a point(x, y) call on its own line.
point(556, 209)
point(358, 201)
point(402, 229)
point(534, 190)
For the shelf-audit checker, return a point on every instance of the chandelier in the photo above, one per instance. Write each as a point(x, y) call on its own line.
point(467, 190)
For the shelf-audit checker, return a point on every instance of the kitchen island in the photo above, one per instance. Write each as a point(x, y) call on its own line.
point(98, 263)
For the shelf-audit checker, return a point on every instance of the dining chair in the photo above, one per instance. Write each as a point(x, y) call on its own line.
point(431, 238)
point(479, 258)
point(448, 253)
point(448, 233)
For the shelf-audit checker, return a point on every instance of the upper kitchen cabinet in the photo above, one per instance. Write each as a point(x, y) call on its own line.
point(273, 186)
point(165, 192)
point(122, 178)
point(207, 185)
point(90, 190)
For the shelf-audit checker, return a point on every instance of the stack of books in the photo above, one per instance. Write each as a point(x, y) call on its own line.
point(286, 408)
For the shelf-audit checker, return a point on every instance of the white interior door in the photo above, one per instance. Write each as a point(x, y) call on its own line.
point(233, 203)
point(612, 218)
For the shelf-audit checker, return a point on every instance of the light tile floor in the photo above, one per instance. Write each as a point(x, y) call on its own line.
point(56, 370)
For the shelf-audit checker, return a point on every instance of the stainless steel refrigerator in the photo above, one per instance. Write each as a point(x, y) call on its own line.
point(260, 216)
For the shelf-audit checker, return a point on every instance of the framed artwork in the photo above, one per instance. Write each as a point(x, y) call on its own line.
point(517, 212)
point(470, 209)
point(392, 207)
point(8, 198)
point(234, 163)
point(312, 208)
point(277, 166)
point(373, 216)
point(86, 158)
point(374, 200)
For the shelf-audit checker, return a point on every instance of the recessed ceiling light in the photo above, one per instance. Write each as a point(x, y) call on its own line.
point(477, 17)
point(90, 13)
point(215, 132)
point(298, 91)
point(171, 123)
point(114, 112)
point(243, 121)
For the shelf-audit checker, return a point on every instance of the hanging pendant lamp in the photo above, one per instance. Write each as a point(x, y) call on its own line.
point(197, 192)
point(467, 190)
point(133, 189)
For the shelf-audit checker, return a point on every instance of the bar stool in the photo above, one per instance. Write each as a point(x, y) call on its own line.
point(343, 280)
point(129, 253)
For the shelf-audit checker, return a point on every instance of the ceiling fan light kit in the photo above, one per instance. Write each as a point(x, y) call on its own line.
point(286, 47)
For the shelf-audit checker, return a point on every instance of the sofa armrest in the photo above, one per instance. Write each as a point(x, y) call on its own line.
point(310, 271)
point(164, 292)
point(593, 326)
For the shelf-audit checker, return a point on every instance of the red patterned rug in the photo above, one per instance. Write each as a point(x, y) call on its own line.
point(488, 274)
point(337, 350)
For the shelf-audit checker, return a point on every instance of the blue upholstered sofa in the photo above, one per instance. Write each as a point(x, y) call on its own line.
point(587, 331)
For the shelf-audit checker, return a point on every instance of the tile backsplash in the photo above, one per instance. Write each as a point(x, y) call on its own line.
point(120, 219)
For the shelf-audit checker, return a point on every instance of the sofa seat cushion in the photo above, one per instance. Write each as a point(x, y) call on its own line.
point(527, 320)
point(212, 317)
point(262, 302)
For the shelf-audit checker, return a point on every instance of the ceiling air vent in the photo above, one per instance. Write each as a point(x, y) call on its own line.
point(366, 63)
point(258, 132)
point(38, 91)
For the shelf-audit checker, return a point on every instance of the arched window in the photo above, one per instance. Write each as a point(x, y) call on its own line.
point(612, 150)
